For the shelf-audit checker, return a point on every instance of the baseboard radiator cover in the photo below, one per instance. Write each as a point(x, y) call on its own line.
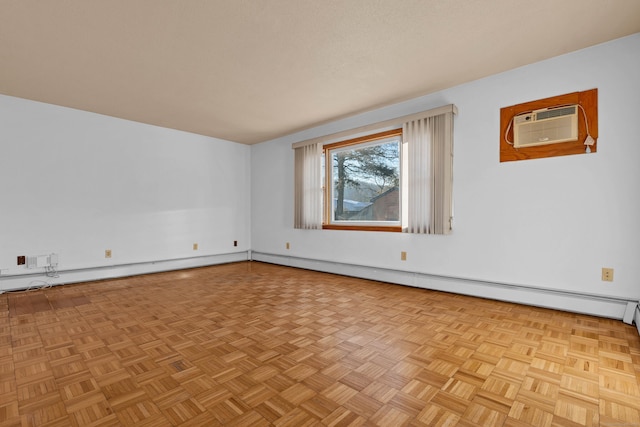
point(31, 281)
point(595, 305)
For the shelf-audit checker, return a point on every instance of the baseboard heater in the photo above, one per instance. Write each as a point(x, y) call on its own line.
point(632, 314)
point(605, 306)
point(88, 274)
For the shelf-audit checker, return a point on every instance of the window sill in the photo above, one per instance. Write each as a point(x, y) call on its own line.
point(387, 228)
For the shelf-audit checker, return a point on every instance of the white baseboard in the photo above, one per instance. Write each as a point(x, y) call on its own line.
point(596, 305)
point(27, 281)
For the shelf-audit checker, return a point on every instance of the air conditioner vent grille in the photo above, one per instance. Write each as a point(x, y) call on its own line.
point(556, 112)
point(544, 127)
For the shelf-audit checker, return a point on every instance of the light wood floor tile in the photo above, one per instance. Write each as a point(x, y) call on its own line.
point(252, 344)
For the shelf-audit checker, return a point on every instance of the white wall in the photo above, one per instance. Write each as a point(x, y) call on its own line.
point(549, 223)
point(77, 183)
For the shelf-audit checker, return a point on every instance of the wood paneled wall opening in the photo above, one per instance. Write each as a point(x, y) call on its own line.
point(252, 344)
point(587, 100)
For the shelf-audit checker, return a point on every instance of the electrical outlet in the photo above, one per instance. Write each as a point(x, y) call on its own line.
point(22, 260)
point(607, 274)
point(107, 253)
point(288, 245)
point(195, 246)
point(403, 256)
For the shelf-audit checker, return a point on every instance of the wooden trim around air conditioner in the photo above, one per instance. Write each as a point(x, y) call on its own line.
point(587, 99)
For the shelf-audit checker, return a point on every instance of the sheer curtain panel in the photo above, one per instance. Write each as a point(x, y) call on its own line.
point(308, 187)
point(429, 177)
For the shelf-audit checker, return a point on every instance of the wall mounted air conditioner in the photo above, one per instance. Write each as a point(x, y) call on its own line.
point(546, 126)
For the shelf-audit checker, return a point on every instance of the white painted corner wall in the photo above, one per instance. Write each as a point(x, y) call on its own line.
point(77, 183)
point(547, 224)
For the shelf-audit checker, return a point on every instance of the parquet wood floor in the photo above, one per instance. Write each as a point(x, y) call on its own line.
point(253, 344)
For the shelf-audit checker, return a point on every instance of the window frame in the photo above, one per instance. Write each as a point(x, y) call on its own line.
point(327, 222)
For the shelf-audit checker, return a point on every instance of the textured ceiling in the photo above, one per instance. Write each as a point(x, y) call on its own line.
point(252, 70)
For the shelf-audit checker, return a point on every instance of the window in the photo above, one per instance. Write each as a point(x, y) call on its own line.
point(362, 182)
point(398, 180)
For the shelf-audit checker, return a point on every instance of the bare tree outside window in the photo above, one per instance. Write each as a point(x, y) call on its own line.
point(365, 181)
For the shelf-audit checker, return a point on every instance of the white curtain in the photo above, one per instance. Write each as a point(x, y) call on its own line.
point(308, 187)
point(429, 145)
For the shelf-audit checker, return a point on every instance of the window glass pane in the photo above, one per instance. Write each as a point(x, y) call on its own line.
point(365, 182)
